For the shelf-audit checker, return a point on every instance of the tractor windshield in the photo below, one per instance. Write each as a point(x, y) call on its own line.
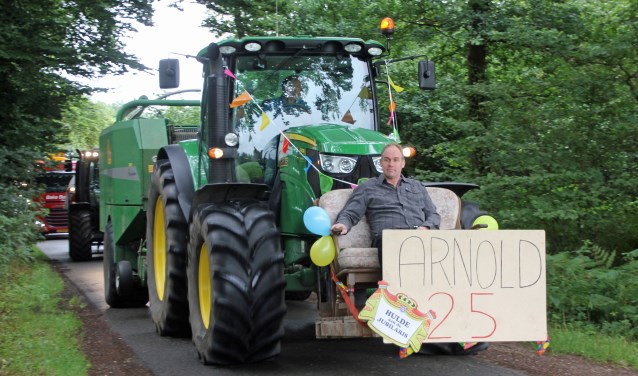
point(286, 91)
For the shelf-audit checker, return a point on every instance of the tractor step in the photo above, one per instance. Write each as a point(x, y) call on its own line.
point(341, 327)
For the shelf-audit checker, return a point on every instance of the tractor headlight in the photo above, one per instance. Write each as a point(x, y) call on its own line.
point(231, 139)
point(227, 50)
point(352, 47)
point(375, 51)
point(337, 164)
point(252, 46)
point(377, 164)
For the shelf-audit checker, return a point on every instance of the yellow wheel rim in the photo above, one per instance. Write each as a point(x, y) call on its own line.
point(159, 248)
point(203, 286)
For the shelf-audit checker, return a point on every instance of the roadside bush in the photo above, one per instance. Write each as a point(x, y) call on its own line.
point(593, 290)
point(18, 232)
point(17, 237)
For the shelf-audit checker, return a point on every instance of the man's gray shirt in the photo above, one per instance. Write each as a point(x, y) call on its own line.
point(386, 207)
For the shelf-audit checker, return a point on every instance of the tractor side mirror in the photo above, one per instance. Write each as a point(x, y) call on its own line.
point(68, 165)
point(169, 73)
point(427, 79)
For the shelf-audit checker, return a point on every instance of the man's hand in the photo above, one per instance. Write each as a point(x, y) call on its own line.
point(338, 229)
point(422, 228)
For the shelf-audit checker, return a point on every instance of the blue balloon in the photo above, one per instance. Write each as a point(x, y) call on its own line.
point(317, 221)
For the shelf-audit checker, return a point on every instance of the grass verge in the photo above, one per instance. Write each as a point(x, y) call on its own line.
point(39, 332)
point(598, 347)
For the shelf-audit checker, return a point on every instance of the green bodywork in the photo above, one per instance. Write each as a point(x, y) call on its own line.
point(130, 147)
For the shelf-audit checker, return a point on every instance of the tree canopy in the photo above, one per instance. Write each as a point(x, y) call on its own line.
point(45, 43)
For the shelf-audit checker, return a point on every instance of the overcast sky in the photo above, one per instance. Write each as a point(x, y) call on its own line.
point(174, 32)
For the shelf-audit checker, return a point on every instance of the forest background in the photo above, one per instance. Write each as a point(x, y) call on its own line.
point(536, 101)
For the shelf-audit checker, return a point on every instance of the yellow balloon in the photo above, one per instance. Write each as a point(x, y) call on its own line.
point(323, 251)
point(486, 220)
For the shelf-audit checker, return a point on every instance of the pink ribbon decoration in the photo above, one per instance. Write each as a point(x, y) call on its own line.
point(229, 74)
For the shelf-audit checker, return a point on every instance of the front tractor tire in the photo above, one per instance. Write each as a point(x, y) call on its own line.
point(236, 283)
point(166, 237)
point(80, 235)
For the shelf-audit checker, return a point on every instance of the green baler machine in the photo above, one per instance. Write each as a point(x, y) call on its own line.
point(129, 148)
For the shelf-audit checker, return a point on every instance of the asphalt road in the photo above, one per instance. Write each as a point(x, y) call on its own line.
point(301, 353)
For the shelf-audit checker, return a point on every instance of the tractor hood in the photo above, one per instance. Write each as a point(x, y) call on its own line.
point(339, 139)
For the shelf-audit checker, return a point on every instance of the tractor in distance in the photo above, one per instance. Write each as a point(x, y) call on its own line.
point(210, 229)
point(83, 196)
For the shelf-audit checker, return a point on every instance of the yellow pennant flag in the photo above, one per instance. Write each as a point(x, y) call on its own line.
point(396, 87)
point(242, 99)
point(264, 121)
point(365, 93)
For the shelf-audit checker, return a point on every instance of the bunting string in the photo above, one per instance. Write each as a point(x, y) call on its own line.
point(246, 97)
point(392, 107)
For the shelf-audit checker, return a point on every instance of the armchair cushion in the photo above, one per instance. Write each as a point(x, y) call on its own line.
point(359, 258)
point(448, 205)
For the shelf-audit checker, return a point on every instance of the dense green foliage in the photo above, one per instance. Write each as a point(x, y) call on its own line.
point(588, 292)
point(42, 45)
point(17, 224)
point(84, 120)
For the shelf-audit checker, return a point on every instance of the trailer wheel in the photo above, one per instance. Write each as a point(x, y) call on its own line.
point(235, 283)
point(80, 235)
point(138, 296)
point(298, 295)
point(166, 240)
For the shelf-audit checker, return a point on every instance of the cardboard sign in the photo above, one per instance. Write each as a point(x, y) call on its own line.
point(481, 285)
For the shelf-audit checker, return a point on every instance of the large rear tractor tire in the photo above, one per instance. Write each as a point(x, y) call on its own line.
point(137, 296)
point(80, 235)
point(166, 240)
point(236, 283)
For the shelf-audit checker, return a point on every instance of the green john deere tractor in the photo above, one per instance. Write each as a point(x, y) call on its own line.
point(210, 229)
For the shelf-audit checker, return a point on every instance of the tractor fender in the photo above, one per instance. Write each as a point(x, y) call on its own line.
point(226, 192)
point(459, 188)
point(182, 173)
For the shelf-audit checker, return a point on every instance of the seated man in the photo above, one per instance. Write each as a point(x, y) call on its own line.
point(390, 201)
point(394, 202)
point(291, 101)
